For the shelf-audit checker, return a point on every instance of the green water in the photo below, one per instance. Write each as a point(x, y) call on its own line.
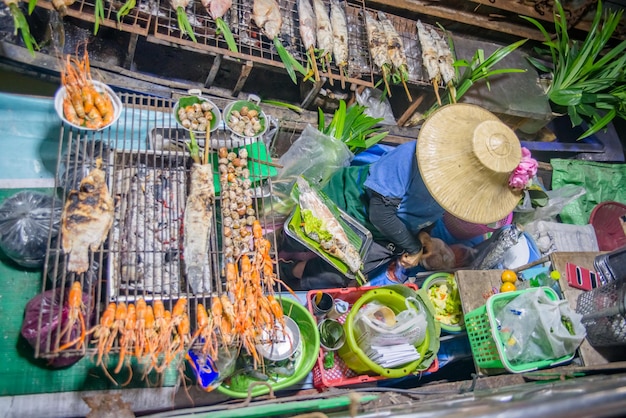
point(18, 83)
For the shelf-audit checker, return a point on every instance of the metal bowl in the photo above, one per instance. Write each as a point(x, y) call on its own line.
point(282, 342)
point(192, 100)
point(253, 103)
point(100, 88)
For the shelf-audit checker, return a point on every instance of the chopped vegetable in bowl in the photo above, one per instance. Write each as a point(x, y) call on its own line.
point(444, 295)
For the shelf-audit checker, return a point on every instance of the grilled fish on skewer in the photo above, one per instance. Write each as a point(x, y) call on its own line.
point(266, 15)
point(395, 49)
point(183, 20)
point(324, 34)
point(430, 57)
point(446, 64)
point(339, 24)
point(87, 218)
point(198, 221)
point(308, 33)
point(378, 47)
point(338, 245)
point(217, 9)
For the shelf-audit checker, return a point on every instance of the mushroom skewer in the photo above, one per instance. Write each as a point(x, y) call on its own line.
point(340, 35)
point(266, 15)
point(378, 48)
point(308, 34)
point(395, 50)
point(183, 20)
point(217, 9)
point(324, 35)
point(430, 57)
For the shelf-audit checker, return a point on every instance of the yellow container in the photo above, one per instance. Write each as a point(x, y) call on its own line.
point(355, 358)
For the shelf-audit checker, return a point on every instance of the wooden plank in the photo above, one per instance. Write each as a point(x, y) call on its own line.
point(429, 8)
point(590, 355)
point(243, 77)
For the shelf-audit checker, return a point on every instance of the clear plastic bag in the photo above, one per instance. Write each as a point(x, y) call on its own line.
point(25, 223)
point(557, 200)
point(377, 105)
point(535, 327)
point(314, 156)
point(376, 324)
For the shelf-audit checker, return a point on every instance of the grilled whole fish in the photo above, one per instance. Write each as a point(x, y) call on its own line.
point(87, 218)
point(339, 246)
point(197, 223)
point(266, 15)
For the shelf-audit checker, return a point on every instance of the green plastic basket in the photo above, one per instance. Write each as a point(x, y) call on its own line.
point(485, 342)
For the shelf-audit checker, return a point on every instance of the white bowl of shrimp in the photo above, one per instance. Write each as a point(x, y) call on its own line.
point(92, 108)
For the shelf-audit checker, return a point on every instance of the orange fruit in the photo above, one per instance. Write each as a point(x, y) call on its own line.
point(507, 287)
point(508, 276)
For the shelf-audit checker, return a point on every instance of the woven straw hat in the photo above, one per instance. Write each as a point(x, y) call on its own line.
point(465, 155)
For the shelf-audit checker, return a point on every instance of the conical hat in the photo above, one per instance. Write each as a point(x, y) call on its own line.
point(466, 155)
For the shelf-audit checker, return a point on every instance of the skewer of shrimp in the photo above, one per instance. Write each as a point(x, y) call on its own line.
point(378, 47)
point(395, 50)
point(430, 57)
point(324, 35)
point(339, 24)
point(446, 64)
point(75, 315)
point(308, 33)
point(183, 20)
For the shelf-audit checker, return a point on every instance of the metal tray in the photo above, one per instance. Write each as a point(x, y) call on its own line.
point(358, 234)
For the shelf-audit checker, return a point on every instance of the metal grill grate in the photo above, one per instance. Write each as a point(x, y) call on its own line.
point(254, 46)
point(136, 21)
point(147, 167)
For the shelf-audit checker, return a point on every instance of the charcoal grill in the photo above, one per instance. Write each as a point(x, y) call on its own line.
point(149, 187)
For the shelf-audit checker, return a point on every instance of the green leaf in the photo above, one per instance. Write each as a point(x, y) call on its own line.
point(222, 28)
point(183, 23)
point(31, 6)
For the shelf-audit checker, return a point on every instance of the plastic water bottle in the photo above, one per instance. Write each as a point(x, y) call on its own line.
point(550, 280)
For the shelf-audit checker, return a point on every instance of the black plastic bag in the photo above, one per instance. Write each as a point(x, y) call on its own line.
point(25, 223)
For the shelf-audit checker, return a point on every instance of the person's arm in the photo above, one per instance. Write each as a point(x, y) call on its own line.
point(383, 215)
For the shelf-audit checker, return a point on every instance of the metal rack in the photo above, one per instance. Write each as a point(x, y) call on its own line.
point(148, 177)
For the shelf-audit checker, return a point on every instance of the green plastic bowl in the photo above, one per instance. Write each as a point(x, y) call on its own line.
point(355, 358)
point(305, 360)
point(436, 280)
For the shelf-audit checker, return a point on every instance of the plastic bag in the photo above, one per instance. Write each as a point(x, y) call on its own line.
point(377, 105)
point(314, 156)
point(25, 222)
point(376, 324)
point(48, 305)
point(557, 200)
point(535, 327)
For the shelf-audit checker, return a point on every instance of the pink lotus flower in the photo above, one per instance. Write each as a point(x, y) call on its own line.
point(524, 172)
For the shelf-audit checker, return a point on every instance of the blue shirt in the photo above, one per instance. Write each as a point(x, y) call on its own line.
point(396, 175)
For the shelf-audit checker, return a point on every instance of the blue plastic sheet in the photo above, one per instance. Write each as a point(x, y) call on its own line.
point(30, 132)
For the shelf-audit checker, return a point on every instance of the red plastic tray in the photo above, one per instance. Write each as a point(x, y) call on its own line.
point(340, 374)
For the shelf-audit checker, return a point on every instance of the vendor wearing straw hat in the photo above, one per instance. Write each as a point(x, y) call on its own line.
point(463, 162)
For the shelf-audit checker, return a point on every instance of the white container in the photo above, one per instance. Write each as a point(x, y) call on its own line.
point(100, 88)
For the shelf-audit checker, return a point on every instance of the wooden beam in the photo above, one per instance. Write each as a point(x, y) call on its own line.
point(213, 72)
point(484, 22)
point(245, 72)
